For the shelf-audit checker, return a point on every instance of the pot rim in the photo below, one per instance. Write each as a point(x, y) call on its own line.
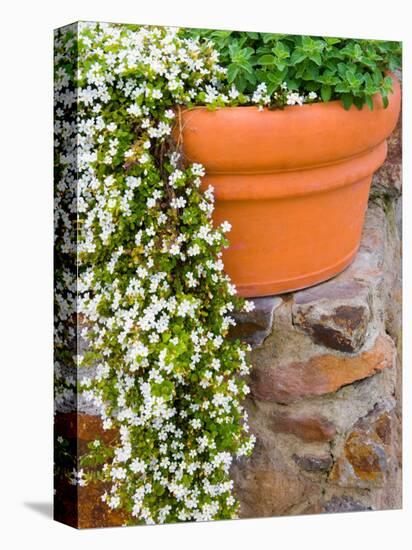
point(244, 140)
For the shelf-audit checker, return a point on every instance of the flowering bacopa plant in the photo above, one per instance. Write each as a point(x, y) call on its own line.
point(138, 267)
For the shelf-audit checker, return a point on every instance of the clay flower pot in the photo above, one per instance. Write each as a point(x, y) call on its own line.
point(293, 183)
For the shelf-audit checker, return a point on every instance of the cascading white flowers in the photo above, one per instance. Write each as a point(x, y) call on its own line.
point(139, 268)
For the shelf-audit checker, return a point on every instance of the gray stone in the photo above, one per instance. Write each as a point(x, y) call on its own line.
point(344, 503)
point(314, 463)
point(369, 263)
point(387, 181)
point(334, 314)
point(253, 327)
point(267, 485)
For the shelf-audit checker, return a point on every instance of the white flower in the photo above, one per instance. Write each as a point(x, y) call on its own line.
point(211, 94)
point(231, 289)
point(293, 98)
point(233, 93)
point(133, 182)
point(196, 423)
point(114, 502)
point(260, 95)
point(192, 282)
point(226, 226)
point(118, 473)
point(186, 308)
point(138, 466)
point(197, 169)
point(178, 202)
point(134, 110)
point(174, 249)
point(194, 250)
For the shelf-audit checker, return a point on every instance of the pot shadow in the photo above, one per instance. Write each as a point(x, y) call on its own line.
point(45, 509)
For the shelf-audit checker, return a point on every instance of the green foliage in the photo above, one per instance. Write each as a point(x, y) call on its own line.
point(149, 294)
point(334, 68)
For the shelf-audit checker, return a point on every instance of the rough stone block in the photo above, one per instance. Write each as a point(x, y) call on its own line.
point(253, 327)
point(344, 503)
point(369, 263)
point(388, 179)
point(336, 315)
point(309, 427)
point(320, 374)
point(367, 454)
point(314, 463)
point(267, 486)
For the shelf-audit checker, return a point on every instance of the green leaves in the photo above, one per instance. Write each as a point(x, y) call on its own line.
point(347, 100)
point(267, 59)
point(369, 102)
point(232, 72)
point(240, 69)
point(334, 68)
point(326, 92)
point(166, 390)
point(298, 56)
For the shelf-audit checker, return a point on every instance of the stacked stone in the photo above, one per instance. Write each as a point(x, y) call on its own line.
point(325, 385)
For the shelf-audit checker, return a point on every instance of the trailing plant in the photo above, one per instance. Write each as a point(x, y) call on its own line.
point(152, 298)
point(327, 68)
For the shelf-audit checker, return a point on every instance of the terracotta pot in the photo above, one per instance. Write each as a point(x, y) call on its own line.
point(293, 183)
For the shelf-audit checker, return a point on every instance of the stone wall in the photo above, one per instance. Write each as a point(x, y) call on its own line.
point(325, 401)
